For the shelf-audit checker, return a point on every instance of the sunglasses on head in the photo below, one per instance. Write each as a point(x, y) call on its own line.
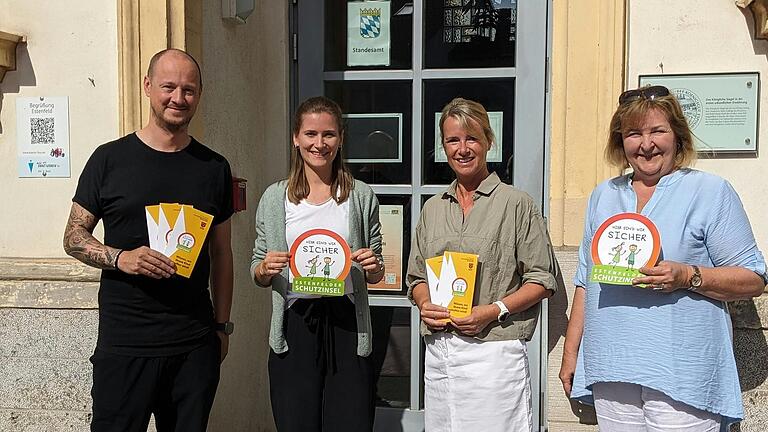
point(649, 93)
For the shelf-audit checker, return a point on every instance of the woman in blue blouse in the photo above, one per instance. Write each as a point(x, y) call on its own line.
point(661, 357)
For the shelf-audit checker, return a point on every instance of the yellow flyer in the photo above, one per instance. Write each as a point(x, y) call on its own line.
point(458, 274)
point(451, 281)
point(187, 238)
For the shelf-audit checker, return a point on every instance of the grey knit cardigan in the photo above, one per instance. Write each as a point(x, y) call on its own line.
point(364, 231)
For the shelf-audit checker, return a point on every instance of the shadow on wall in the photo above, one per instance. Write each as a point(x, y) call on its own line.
point(558, 323)
point(24, 75)
point(759, 46)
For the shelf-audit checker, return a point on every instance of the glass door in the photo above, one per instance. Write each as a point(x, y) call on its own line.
point(392, 66)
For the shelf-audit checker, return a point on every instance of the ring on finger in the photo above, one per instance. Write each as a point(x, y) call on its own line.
point(657, 287)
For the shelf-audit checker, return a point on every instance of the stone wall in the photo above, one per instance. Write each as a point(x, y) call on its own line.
point(48, 327)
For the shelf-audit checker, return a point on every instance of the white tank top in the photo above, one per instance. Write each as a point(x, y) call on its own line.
point(304, 216)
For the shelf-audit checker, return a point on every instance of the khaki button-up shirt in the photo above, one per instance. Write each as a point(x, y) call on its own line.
point(507, 231)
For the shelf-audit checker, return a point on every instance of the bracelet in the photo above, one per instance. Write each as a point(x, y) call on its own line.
point(117, 257)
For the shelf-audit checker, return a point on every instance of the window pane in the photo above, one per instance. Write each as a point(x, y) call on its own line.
point(370, 28)
point(469, 33)
point(392, 355)
point(378, 125)
point(497, 96)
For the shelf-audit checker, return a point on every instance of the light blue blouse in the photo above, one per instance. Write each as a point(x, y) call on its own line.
point(678, 343)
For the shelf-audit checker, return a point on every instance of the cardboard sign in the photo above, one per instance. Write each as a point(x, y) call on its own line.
point(622, 244)
point(320, 261)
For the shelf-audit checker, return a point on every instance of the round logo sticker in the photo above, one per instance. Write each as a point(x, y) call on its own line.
point(459, 287)
point(320, 260)
point(186, 242)
point(622, 244)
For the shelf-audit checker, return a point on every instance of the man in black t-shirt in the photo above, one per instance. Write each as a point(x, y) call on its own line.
point(162, 336)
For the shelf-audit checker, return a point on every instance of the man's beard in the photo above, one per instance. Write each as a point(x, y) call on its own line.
point(169, 125)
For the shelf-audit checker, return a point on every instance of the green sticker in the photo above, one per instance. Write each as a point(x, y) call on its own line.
point(318, 286)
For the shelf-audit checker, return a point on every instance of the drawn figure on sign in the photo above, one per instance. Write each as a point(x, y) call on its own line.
point(633, 251)
point(313, 267)
point(327, 268)
point(618, 251)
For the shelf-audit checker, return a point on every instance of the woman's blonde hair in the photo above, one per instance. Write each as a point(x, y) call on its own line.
point(463, 110)
point(632, 115)
point(342, 181)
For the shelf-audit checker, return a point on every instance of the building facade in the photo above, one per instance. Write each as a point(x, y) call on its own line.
point(556, 93)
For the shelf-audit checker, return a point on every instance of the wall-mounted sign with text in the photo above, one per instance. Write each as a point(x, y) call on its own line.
point(368, 33)
point(42, 136)
point(721, 108)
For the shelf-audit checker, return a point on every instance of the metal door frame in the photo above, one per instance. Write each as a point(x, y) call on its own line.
point(530, 163)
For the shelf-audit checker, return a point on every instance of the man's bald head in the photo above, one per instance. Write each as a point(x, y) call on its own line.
point(177, 52)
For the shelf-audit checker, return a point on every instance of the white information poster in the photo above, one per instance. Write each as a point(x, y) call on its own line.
point(368, 33)
point(391, 217)
point(42, 125)
point(496, 118)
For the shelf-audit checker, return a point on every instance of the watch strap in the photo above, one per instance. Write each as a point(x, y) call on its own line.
point(503, 311)
point(227, 327)
point(695, 282)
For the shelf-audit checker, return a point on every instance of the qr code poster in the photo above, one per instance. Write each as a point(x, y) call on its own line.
point(42, 125)
point(391, 218)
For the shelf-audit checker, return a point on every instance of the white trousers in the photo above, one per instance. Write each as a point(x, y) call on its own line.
point(624, 407)
point(472, 385)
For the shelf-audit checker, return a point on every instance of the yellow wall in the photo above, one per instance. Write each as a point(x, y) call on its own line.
point(587, 66)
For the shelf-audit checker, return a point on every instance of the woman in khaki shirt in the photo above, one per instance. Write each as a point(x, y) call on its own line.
point(476, 371)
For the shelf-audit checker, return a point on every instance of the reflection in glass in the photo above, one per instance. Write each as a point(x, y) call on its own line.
point(470, 33)
point(392, 355)
point(373, 106)
point(497, 96)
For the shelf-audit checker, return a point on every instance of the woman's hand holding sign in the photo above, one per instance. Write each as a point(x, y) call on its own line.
point(666, 276)
point(374, 268)
point(273, 263)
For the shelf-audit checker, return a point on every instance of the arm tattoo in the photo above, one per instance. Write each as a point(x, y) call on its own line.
point(80, 243)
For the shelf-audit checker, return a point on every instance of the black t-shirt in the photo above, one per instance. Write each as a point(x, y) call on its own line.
point(139, 315)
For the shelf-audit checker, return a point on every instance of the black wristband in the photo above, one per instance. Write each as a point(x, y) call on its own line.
point(117, 257)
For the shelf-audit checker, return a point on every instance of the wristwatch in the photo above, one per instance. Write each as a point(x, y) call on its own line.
point(227, 327)
point(503, 313)
point(695, 282)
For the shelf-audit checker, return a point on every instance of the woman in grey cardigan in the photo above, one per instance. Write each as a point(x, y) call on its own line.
point(320, 345)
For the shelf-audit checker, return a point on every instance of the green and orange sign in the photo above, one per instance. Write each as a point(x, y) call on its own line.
point(320, 261)
point(621, 246)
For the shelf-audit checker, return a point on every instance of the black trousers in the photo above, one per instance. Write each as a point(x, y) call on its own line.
point(178, 390)
point(320, 383)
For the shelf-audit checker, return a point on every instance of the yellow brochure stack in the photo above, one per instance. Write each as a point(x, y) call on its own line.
point(451, 281)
